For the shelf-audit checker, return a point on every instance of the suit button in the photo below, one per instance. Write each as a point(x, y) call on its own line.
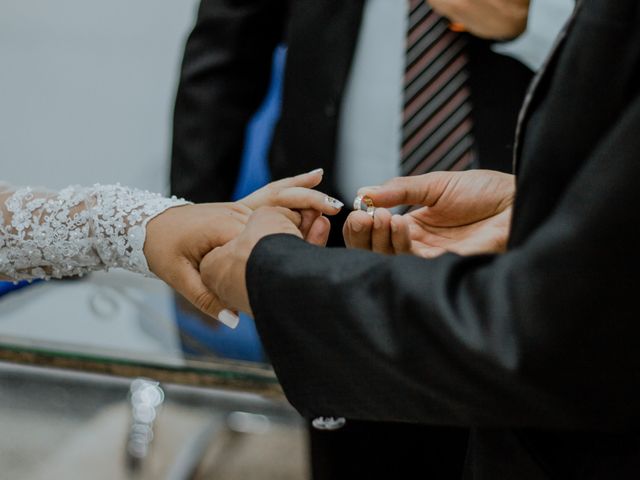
point(328, 423)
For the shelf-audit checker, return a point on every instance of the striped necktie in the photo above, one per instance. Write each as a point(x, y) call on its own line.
point(437, 124)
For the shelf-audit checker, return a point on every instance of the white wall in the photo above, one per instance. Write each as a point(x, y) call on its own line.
point(87, 89)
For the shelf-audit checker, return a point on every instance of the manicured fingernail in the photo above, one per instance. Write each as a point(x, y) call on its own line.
point(229, 318)
point(317, 170)
point(333, 202)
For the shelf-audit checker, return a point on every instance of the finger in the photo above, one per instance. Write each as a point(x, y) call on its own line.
point(400, 237)
point(307, 180)
point(265, 195)
point(189, 284)
point(415, 190)
point(293, 217)
point(360, 225)
point(381, 236)
point(308, 217)
point(298, 198)
point(346, 231)
point(319, 232)
point(420, 250)
point(271, 220)
point(275, 215)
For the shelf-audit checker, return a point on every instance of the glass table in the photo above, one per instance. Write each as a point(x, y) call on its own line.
point(58, 424)
point(71, 353)
point(122, 324)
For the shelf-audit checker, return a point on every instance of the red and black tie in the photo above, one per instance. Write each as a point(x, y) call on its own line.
point(437, 122)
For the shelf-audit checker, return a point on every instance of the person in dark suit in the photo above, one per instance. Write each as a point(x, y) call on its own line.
point(535, 349)
point(342, 61)
point(225, 74)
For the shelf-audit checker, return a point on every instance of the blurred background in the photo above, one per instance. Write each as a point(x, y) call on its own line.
point(87, 91)
point(86, 96)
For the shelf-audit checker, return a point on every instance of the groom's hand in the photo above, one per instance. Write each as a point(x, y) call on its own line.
point(223, 269)
point(462, 212)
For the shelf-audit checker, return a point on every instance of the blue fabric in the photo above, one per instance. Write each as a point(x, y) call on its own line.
point(254, 170)
point(8, 287)
point(201, 339)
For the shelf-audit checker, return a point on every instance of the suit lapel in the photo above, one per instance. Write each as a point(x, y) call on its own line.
point(340, 28)
point(532, 91)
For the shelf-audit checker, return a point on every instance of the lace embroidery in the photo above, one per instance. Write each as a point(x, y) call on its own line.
point(77, 230)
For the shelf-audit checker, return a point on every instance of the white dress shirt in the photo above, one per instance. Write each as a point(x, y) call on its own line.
point(368, 145)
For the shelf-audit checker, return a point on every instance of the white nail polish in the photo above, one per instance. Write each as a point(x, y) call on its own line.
point(333, 202)
point(229, 318)
point(317, 170)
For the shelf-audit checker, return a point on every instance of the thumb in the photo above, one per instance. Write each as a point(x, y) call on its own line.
point(189, 284)
point(308, 219)
point(319, 232)
point(415, 190)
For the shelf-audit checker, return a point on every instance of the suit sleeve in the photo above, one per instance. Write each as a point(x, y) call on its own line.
point(546, 335)
point(224, 77)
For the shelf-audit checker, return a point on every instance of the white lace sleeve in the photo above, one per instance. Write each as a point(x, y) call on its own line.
point(76, 230)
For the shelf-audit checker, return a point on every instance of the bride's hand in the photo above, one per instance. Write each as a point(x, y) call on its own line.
point(294, 193)
point(180, 237)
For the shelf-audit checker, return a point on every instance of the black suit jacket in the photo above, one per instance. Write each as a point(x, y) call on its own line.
point(225, 74)
point(537, 349)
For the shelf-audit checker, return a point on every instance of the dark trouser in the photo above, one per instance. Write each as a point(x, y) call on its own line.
point(362, 450)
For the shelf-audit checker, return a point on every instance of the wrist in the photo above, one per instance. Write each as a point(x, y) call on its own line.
point(156, 229)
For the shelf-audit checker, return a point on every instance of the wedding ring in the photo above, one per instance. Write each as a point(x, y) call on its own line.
point(365, 204)
point(362, 202)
